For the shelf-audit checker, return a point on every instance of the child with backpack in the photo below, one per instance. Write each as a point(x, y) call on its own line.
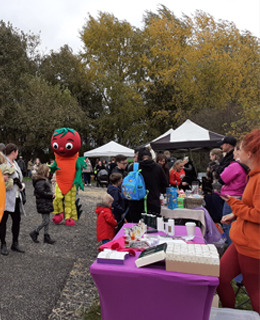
point(106, 222)
point(113, 189)
point(44, 202)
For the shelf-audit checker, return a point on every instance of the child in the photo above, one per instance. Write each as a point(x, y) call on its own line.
point(105, 219)
point(44, 199)
point(7, 171)
point(113, 189)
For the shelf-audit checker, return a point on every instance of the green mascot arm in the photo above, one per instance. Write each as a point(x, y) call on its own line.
point(78, 177)
point(54, 166)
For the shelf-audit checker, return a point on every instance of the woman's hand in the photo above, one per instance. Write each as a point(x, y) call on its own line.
point(5, 177)
point(228, 218)
point(225, 197)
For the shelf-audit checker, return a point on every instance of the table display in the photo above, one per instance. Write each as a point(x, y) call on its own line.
point(127, 292)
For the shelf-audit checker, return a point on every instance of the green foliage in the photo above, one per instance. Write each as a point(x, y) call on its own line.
point(130, 84)
point(112, 60)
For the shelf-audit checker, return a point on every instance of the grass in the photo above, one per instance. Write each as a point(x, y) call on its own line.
point(241, 297)
point(93, 312)
point(27, 179)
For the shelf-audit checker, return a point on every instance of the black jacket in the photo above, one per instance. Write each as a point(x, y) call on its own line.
point(190, 173)
point(225, 162)
point(118, 206)
point(123, 172)
point(44, 195)
point(155, 182)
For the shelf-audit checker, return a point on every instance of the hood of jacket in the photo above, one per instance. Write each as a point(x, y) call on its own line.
point(101, 207)
point(36, 179)
point(147, 164)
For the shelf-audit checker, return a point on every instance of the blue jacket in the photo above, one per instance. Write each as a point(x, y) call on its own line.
point(118, 204)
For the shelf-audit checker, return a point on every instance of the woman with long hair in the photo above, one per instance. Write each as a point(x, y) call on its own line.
point(243, 255)
point(13, 205)
point(162, 161)
point(177, 173)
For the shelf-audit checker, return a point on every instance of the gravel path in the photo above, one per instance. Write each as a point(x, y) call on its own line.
point(51, 281)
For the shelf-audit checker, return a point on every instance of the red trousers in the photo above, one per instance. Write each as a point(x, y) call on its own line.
point(231, 265)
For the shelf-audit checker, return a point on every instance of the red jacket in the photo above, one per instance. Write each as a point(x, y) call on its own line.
point(105, 223)
point(176, 176)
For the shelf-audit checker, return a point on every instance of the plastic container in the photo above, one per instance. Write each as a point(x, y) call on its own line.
point(180, 202)
point(172, 197)
point(162, 200)
point(232, 314)
point(170, 227)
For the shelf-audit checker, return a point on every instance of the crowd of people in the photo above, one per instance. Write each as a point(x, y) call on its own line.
point(231, 189)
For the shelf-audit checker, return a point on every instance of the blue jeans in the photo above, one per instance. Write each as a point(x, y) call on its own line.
point(105, 241)
point(226, 227)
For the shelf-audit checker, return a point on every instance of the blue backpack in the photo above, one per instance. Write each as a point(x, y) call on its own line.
point(133, 186)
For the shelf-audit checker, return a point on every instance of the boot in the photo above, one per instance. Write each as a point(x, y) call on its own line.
point(15, 247)
point(34, 234)
point(47, 239)
point(4, 250)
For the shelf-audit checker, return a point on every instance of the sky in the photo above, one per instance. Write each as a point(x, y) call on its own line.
point(59, 21)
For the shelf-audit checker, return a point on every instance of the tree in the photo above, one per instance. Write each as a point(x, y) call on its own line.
point(112, 61)
point(64, 69)
point(167, 45)
point(15, 49)
point(44, 108)
point(197, 65)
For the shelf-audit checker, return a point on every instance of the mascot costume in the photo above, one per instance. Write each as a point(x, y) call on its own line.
point(65, 143)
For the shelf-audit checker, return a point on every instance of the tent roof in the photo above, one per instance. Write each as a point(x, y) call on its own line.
point(110, 149)
point(188, 136)
point(170, 131)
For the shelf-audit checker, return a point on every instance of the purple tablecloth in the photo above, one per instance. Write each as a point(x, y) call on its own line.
point(130, 293)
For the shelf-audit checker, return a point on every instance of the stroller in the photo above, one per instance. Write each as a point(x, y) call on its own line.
point(102, 178)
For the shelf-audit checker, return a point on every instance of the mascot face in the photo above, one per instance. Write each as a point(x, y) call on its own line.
point(65, 142)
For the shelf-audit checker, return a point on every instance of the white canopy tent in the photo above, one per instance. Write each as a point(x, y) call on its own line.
point(110, 149)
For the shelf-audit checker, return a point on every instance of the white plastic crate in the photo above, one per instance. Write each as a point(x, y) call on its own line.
point(232, 314)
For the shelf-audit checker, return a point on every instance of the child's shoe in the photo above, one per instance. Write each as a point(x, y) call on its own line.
point(47, 239)
point(34, 234)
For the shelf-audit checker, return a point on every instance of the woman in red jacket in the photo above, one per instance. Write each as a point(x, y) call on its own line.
point(105, 219)
point(177, 173)
point(243, 255)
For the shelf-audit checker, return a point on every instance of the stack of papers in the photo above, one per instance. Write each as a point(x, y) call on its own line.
point(112, 256)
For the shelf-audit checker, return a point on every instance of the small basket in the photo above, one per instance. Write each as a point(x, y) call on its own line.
point(191, 203)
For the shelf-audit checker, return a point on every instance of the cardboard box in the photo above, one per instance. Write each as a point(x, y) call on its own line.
point(215, 301)
point(193, 268)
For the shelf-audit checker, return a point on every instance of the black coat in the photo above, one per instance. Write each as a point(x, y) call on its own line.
point(225, 162)
point(156, 182)
point(190, 173)
point(44, 195)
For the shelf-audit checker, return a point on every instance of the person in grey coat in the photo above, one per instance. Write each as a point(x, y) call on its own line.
point(14, 205)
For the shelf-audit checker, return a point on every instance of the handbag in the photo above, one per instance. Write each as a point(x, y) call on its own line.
point(23, 195)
